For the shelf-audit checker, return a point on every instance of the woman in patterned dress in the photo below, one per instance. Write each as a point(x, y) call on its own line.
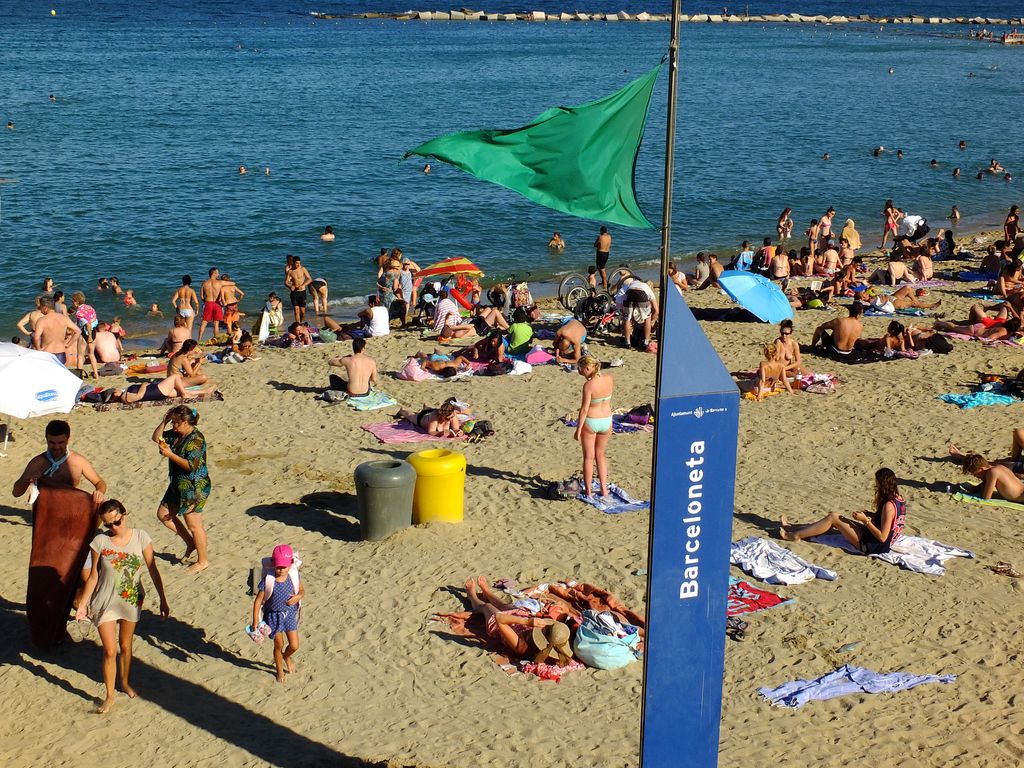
point(113, 593)
point(189, 481)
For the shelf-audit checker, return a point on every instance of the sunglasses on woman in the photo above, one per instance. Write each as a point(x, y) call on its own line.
point(115, 523)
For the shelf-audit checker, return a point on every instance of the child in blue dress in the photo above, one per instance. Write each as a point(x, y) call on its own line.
point(278, 601)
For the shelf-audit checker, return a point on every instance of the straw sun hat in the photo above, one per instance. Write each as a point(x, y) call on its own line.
point(552, 642)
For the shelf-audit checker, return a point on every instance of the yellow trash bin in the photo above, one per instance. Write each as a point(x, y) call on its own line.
point(440, 486)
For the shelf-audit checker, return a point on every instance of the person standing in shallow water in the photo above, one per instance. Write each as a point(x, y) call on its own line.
point(113, 593)
point(602, 249)
point(189, 483)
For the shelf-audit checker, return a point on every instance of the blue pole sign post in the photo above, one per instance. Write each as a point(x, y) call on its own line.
point(691, 530)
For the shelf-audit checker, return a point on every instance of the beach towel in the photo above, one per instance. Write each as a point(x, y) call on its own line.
point(844, 681)
point(619, 424)
point(986, 342)
point(538, 356)
point(519, 367)
point(402, 432)
point(984, 296)
point(978, 399)
point(976, 277)
point(746, 598)
point(767, 561)
point(911, 553)
point(616, 502)
point(413, 371)
point(908, 312)
point(208, 397)
point(970, 499)
point(372, 401)
point(856, 356)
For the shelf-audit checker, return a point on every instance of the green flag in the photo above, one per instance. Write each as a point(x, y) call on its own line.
point(578, 160)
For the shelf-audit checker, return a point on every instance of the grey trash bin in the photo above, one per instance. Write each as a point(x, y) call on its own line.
point(384, 491)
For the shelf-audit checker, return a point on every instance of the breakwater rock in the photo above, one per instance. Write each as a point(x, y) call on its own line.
point(466, 14)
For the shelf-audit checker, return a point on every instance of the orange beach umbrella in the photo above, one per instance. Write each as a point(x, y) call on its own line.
point(456, 265)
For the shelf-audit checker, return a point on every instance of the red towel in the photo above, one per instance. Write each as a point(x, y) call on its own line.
point(63, 524)
point(746, 598)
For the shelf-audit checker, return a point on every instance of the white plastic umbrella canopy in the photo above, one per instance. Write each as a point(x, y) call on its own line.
point(34, 383)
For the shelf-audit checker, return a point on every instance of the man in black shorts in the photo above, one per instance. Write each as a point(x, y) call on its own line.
point(603, 247)
point(296, 280)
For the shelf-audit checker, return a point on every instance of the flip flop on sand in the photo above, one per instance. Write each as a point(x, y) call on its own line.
point(1005, 569)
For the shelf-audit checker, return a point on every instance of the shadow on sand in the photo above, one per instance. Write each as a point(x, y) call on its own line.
point(259, 737)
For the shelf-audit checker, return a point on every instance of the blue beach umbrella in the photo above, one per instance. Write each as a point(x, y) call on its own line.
point(758, 295)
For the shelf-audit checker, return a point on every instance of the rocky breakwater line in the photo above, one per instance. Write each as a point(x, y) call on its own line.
point(465, 14)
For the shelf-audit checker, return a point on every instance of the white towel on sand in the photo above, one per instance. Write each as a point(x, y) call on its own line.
point(766, 560)
point(911, 553)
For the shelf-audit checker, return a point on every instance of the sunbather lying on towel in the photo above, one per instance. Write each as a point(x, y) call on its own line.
point(872, 534)
point(440, 422)
point(996, 479)
point(981, 326)
point(441, 364)
point(599, 599)
point(1015, 461)
point(514, 626)
point(165, 389)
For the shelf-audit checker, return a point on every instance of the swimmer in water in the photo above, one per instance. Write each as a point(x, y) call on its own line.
point(891, 70)
point(877, 151)
point(266, 171)
point(963, 145)
point(956, 173)
point(825, 157)
point(934, 163)
point(53, 98)
point(328, 234)
point(899, 154)
point(242, 170)
point(10, 125)
point(426, 168)
point(154, 310)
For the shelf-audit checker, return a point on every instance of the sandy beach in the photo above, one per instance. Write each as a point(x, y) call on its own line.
point(379, 683)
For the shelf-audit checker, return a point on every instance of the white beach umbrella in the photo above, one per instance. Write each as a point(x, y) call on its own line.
point(34, 383)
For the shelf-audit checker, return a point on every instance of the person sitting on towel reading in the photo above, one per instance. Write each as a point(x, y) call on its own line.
point(871, 533)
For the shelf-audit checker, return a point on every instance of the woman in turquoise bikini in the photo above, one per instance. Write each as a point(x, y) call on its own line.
point(594, 424)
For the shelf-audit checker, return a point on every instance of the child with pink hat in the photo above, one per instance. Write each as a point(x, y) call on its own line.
point(275, 612)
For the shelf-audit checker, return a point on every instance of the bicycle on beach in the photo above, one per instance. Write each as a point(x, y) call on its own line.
point(575, 286)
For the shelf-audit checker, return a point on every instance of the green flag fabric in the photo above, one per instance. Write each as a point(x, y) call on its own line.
point(578, 160)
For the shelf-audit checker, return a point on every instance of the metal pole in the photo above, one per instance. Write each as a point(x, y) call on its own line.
point(670, 138)
point(665, 286)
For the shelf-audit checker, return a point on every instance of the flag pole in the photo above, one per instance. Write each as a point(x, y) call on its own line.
point(670, 136)
point(664, 284)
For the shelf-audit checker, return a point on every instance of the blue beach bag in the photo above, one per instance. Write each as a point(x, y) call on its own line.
point(596, 647)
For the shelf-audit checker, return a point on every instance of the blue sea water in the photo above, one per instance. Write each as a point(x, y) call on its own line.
point(133, 170)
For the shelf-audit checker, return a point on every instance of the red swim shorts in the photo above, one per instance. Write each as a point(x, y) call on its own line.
point(212, 311)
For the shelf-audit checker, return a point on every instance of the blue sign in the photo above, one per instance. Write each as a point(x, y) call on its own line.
point(688, 563)
point(47, 395)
